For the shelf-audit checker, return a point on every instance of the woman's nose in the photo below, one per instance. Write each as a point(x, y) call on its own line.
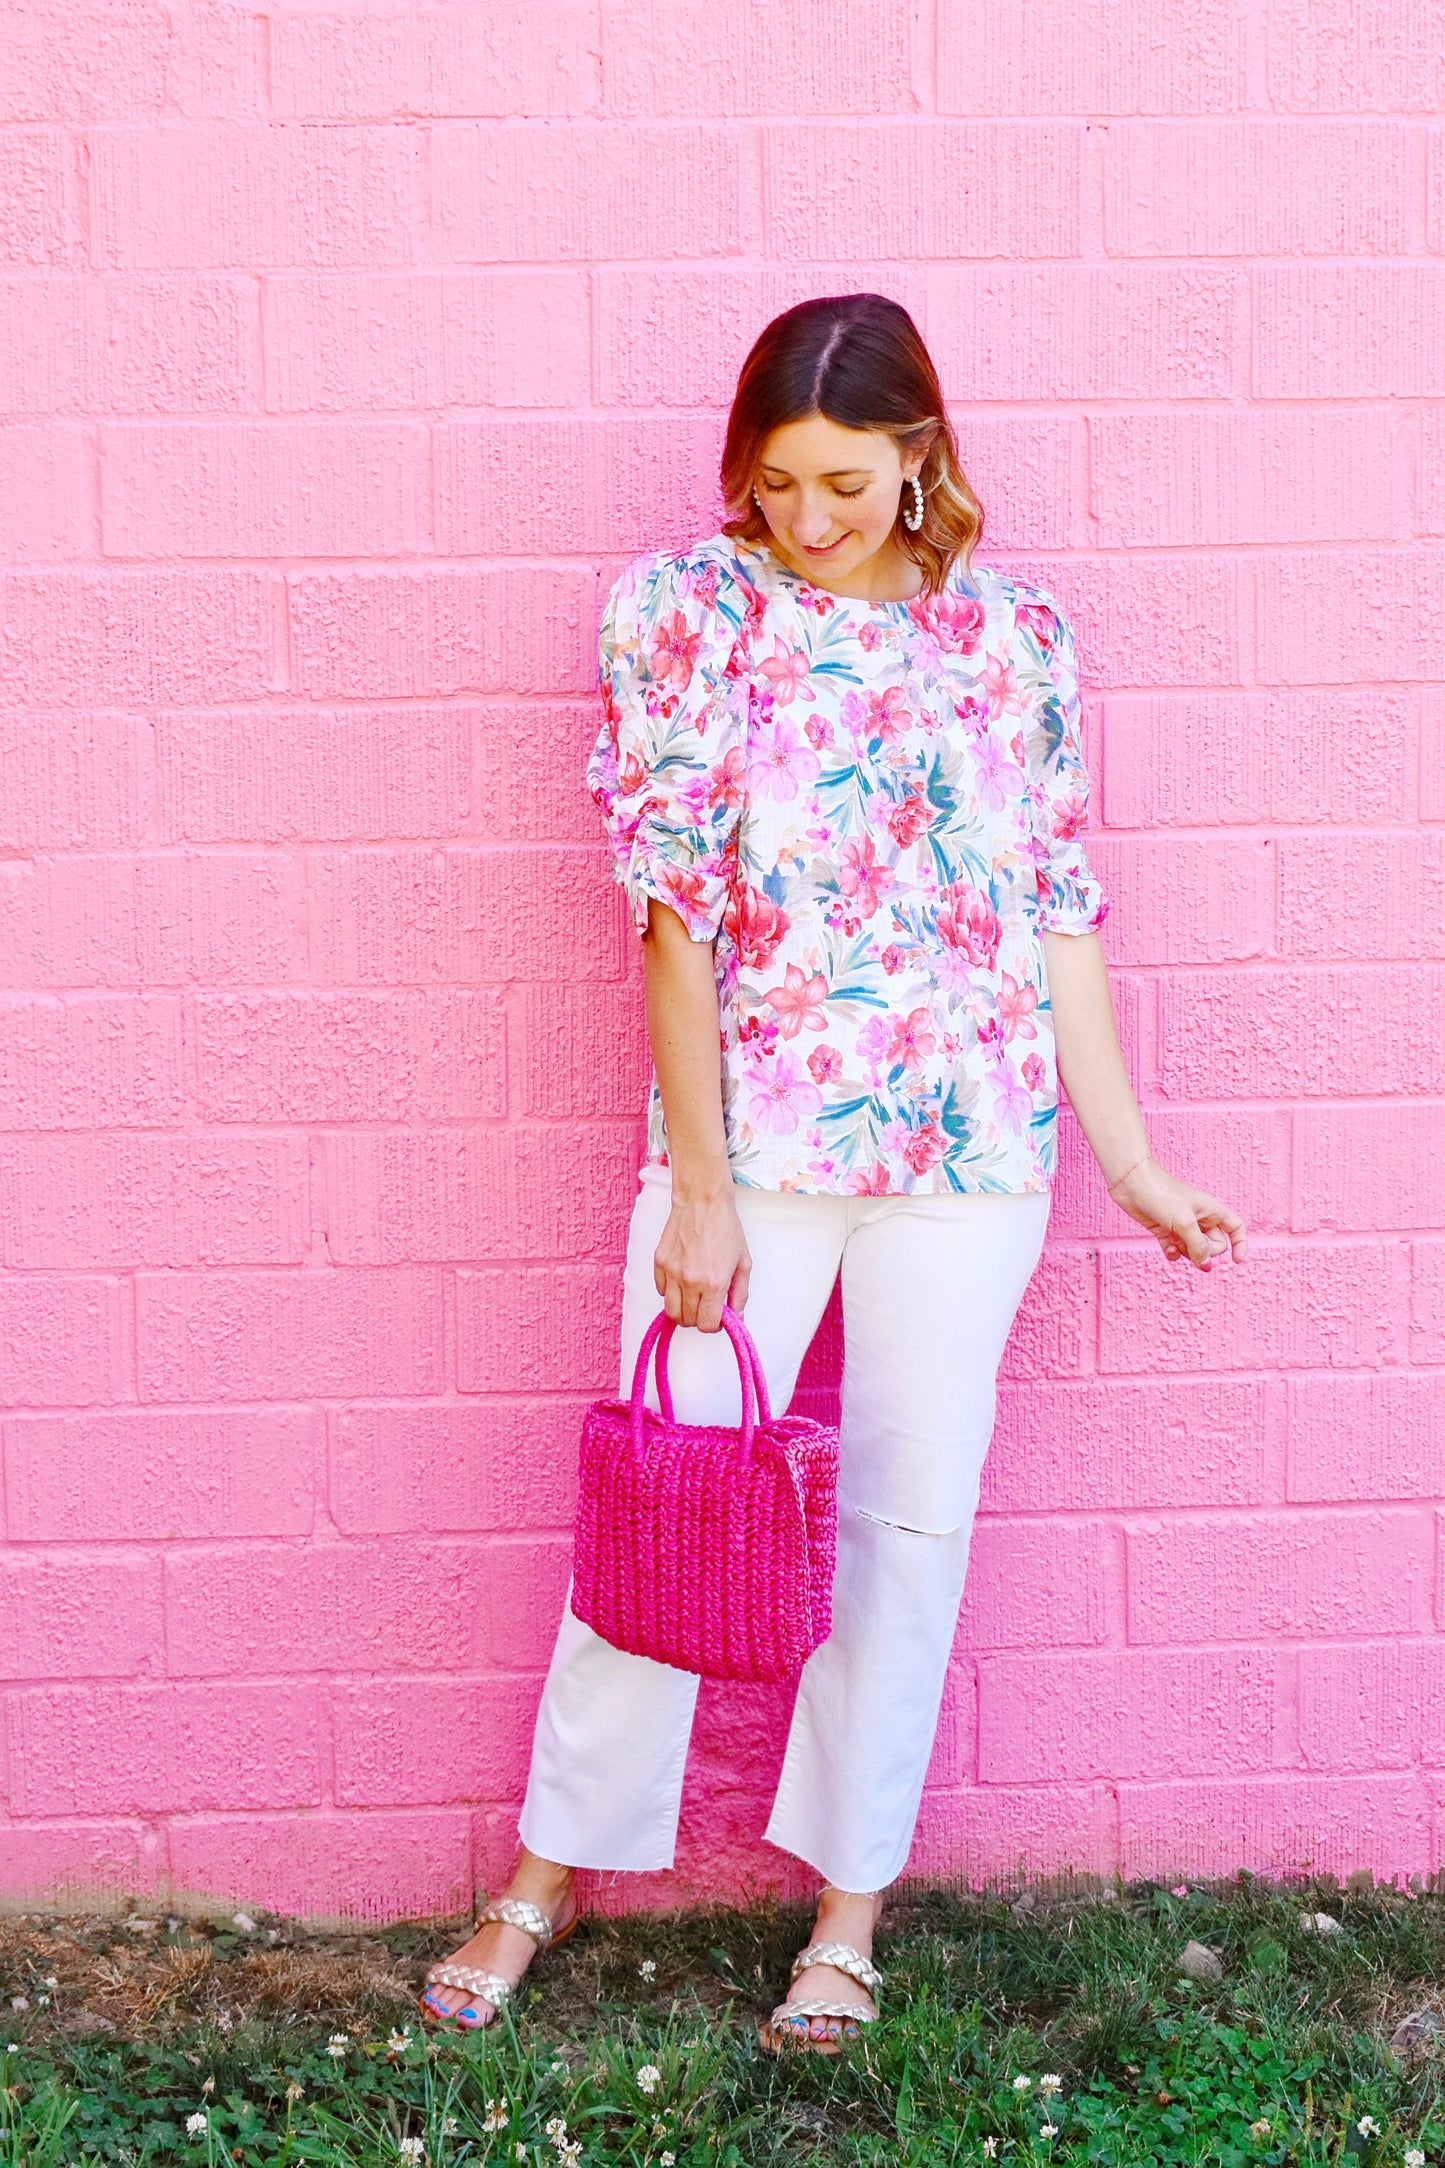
point(813, 522)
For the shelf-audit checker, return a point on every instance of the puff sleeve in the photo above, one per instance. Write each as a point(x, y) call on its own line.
point(669, 769)
point(1071, 899)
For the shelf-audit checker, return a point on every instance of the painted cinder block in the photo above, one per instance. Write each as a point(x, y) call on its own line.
point(464, 915)
point(91, 1061)
point(1427, 1302)
point(455, 1467)
point(161, 1474)
point(124, 64)
point(263, 489)
point(994, 1836)
point(72, 781)
point(81, 1866)
point(1432, 744)
point(574, 191)
point(1241, 1155)
point(280, 775)
point(79, 1614)
point(370, 1607)
point(1337, 616)
point(1266, 187)
point(432, 1741)
point(1067, 1716)
point(1285, 475)
point(39, 197)
point(1348, 331)
point(422, 1055)
point(59, 1340)
point(538, 1329)
point(528, 764)
point(945, 188)
point(1354, 1030)
point(1147, 620)
point(791, 58)
point(459, 1195)
point(527, 488)
point(1376, 1705)
point(72, 1202)
point(410, 63)
point(1358, 1168)
point(144, 343)
point(677, 337)
point(1265, 757)
point(556, 1023)
point(1316, 1305)
point(1377, 1437)
point(1347, 896)
point(1185, 899)
point(106, 639)
point(1053, 1332)
point(423, 635)
point(1290, 1825)
point(1035, 1584)
point(1126, 331)
point(151, 919)
point(287, 1335)
point(242, 197)
point(1105, 1444)
point(335, 1869)
point(1279, 1576)
point(46, 500)
point(349, 342)
point(1339, 56)
point(164, 1747)
point(1055, 56)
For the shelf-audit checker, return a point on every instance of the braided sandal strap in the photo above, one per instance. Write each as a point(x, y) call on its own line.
point(821, 2008)
point(489, 1985)
point(518, 1912)
point(844, 1958)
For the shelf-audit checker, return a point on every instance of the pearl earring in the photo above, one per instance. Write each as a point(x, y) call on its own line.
point(914, 520)
point(757, 500)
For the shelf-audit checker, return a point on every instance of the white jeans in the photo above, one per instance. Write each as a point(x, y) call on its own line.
point(930, 1288)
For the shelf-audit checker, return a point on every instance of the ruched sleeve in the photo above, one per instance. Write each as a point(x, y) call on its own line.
point(1071, 898)
point(669, 769)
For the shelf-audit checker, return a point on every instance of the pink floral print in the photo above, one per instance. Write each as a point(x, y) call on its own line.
point(873, 810)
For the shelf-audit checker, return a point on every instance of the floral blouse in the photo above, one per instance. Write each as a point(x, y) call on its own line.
point(874, 809)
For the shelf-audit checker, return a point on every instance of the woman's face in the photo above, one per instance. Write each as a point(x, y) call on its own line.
point(830, 496)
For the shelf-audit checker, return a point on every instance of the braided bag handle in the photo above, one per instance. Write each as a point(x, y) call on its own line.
point(659, 1335)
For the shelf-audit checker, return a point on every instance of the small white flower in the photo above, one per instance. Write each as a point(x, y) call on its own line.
point(450, 2126)
point(1051, 2082)
point(337, 2046)
point(496, 2115)
point(224, 2022)
point(558, 2069)
point(398, 2041)
point(1048, 2130)
point(196, 2125)
point(666, 2159)
point(569, 2155)
point(1260, 2129)
point(1022, 2084)
point(648, 1967)
point(556, 2130)
point(295, 2092)
point(1368, 2127)
point(521, 2152)
point(19, 2002)
point(244, 1921)
point(14, 2047)
point(990, 2147)
point(209, 2087)
point(50, 1980)
point(1414, 2158)
point(411, 2148)
point(649, 2077)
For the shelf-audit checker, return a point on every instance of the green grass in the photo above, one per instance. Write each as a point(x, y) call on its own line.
point(980, 1995)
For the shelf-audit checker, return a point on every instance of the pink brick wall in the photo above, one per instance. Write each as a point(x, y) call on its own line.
point(346, 349)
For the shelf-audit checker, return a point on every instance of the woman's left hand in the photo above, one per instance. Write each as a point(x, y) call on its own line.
point(1186, 1222)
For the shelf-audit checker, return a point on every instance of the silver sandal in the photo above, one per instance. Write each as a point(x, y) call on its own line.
point(471, 1980)
point(843, 1958)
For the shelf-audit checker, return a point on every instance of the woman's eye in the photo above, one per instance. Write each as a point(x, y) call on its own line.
point(852, 492)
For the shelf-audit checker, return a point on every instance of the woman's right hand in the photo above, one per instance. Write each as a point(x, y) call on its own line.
point(702, 1261)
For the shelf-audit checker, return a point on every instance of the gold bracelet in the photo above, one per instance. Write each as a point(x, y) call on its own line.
point(1112, 1186)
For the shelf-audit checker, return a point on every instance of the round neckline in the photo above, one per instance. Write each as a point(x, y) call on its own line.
point(812, 587)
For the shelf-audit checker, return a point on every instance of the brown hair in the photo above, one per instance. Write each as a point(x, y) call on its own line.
point(857, 359)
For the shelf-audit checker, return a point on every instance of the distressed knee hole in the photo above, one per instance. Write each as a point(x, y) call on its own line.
point(879, 1520)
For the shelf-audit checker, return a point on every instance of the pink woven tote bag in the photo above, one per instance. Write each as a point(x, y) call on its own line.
point(706, 1548)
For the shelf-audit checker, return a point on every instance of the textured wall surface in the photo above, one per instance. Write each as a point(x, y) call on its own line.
point(346, 351)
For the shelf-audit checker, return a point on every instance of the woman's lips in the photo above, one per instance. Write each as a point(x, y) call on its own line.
point(825, 550)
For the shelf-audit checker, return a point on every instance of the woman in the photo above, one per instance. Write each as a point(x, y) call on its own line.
point(842, 775)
